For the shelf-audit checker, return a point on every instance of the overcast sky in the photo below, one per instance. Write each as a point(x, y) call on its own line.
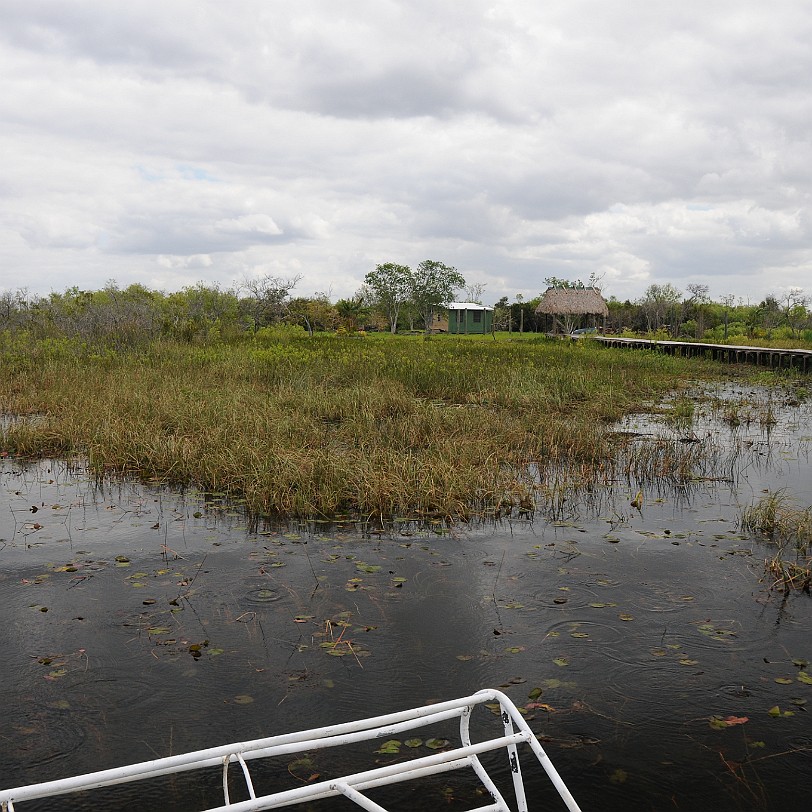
point(168, 142)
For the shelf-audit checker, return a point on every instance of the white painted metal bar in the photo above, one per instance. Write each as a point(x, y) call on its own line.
point(513, 761)
point(356, 797)
point(476, 765)
point(381, 776)
point(351, 786)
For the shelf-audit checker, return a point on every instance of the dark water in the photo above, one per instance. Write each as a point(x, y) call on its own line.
point(638, 626)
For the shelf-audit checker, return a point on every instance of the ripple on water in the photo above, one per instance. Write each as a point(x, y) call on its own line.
point(264, 594)
point(44, 733)
point(581, 628)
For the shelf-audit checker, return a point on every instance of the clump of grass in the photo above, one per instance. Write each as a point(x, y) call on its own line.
point(681, 412)
point(377, 426)
point(781, 522)
point(778, 519)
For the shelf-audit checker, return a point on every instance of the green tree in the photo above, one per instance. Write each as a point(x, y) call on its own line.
point(695, 307)
point(659, 304)
point(433, 285)
point(793, 307)
point(565, 284)
point(391, 285)
point(501, 314)
point(352, 311)
point(200, 312)
point(576, 284)
point(315, 313)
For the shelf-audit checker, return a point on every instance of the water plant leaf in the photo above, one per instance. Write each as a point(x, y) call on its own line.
point(243, 699)
point(413, 742)
point(437, 744)
point(805, 677)
point(370, 568)
point(389, 747)
point(625, 616)
point(561, 662)
point(535, 693)
point(718, 723)
point(783, 680)
point(540, 706)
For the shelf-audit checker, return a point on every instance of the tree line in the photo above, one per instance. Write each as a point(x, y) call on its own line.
point(393, 297)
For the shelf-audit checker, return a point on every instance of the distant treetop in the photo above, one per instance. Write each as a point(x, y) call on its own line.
point(577, 284)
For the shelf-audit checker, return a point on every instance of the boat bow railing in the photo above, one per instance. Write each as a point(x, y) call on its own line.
point(515, 732)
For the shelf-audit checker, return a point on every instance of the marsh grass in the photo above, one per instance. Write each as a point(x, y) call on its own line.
point(783, 524)
point(379, 426)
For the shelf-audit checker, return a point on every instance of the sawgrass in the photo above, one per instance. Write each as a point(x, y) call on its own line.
point(788, 529)
point(373, 426)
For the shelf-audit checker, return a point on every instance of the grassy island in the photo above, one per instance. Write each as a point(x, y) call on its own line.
point(376, 425)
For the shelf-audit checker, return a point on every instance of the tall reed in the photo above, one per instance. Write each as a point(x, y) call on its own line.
point(378, 426)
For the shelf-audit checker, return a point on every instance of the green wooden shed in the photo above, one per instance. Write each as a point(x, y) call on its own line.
point(469, 317)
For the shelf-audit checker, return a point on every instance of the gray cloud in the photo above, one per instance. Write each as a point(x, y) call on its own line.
point(166, 142)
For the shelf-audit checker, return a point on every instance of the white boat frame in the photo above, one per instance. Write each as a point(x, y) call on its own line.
point(515, 731)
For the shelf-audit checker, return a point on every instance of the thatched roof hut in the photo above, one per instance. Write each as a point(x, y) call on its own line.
point(568, 305)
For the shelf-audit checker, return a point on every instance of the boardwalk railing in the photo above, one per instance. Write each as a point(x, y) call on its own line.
point(726, 353)
point(514, 732)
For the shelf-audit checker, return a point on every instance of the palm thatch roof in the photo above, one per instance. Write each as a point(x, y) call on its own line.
point(573, 302)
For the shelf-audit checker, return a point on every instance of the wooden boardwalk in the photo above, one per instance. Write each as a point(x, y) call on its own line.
point(800, 360)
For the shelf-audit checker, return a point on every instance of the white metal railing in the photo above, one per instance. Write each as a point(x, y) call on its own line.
point(515, 731)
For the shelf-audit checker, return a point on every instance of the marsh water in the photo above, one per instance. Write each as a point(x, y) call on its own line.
point(645, 641)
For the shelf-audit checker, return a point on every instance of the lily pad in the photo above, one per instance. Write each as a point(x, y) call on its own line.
point(389, 747)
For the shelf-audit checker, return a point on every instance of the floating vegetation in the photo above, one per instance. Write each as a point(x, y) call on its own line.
point(777, 518)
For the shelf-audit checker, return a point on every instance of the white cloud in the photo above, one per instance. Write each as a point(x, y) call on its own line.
point(650, 142)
